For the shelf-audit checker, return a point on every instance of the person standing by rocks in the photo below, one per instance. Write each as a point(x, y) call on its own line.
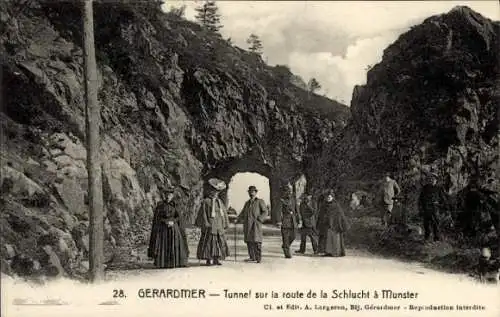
point(212, 218)
point(252, 216)
point(430, 201)
point(388, 191)
point(332, 224)
point(308, 215)
point(168, 244)
point(481, 210)
point(290, 220)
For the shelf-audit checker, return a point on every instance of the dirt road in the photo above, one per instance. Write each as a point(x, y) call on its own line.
point(293, 280)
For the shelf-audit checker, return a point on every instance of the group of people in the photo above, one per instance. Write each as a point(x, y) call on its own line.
point(431, 202)
point(168, 244)
point(477, 216)
point(324, 225)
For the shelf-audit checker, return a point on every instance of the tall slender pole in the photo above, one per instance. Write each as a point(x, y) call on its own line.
point(235, 224)
point(93, 120)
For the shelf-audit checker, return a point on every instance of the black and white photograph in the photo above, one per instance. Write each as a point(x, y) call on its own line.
point(249, 158)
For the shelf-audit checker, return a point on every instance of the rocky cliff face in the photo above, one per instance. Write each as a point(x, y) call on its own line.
point(179, 105)
point(431, 104)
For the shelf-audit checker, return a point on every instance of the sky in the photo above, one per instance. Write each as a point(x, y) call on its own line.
point(332, 41)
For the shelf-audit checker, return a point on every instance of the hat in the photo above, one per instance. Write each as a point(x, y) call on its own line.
point(217, 184)
point(252, 188)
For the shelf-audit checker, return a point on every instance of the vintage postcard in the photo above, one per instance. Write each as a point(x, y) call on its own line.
point(249, 158)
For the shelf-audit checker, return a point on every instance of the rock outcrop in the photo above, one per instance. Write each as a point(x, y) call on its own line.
point(430, 105)
point(179, 105)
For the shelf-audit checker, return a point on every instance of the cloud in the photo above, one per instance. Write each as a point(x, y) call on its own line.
point(331, 41)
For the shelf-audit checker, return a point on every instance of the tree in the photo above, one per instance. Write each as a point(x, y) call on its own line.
point(255, 44)
point(313, 85)
point(178, 11)
point(208, 16)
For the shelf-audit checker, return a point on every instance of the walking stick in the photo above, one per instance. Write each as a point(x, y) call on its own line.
point(235, 241)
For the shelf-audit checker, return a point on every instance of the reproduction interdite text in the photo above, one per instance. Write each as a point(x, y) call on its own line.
point(309, 300)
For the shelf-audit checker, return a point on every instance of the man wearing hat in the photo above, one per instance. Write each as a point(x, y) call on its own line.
point(308, 215)
point(213, 220)
point(252, 216)
point(388, 191)
point(290, 220)
point(431, 199)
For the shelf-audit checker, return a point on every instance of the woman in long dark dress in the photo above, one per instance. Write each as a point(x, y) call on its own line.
point(168, 244)
point(213, 220)
point(332, 223)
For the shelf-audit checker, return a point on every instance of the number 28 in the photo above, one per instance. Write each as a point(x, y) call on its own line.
point(118, 293)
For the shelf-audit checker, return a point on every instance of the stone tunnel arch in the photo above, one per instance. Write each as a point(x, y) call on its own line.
point(278, 177)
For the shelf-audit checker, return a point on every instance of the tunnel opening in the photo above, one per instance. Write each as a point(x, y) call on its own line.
point(237, 193)
point(255, 169)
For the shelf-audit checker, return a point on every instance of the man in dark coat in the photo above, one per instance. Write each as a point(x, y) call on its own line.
point(308, 215)
point(290, 219)
point(431, 200)
point(252, 216)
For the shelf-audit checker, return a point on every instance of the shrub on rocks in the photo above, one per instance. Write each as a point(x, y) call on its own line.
point(24, 266)
point(5, 267)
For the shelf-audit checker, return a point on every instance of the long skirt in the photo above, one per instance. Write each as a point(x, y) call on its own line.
point(331, 243)
point(170, 248)
point(212, 246)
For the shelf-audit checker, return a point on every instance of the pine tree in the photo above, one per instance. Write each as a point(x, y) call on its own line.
point(255, 44)
point(179, 11)
point(313, 85)
point(208, 16)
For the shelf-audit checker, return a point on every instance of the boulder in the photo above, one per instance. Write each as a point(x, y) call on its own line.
point(62, 244)
point(72, 195)
point(8, 251)
point(21, 184)
point(49, 261)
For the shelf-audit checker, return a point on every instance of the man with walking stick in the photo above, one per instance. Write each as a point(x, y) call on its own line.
point(252, 216)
